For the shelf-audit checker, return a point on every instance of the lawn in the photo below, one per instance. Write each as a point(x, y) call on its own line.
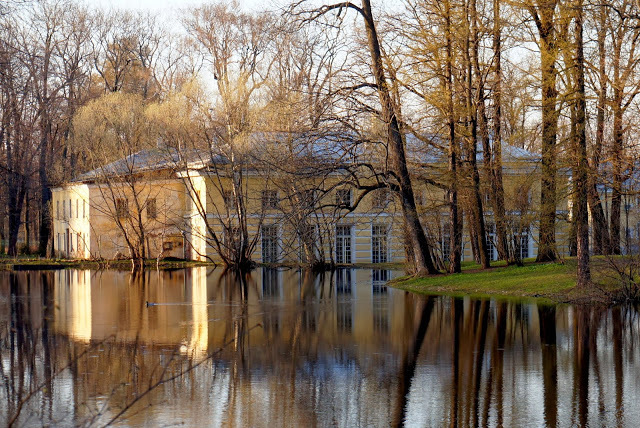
point(553, 282)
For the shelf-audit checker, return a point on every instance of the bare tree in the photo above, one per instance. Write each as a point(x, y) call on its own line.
point(390, 117)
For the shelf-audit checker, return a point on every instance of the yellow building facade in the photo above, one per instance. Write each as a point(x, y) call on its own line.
point(177, 207)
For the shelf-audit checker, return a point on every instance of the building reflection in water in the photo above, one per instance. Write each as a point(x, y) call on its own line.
point(281, 347)
point(196, 282)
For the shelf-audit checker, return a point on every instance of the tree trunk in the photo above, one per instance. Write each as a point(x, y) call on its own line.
point(44, 249)
point(581, 169)
point(422, 255)
point(616, 188)
point(601, 238)
point(492, 153)
point(476, 202)
point(452, 193)
point(16, 199)
point(548, 55)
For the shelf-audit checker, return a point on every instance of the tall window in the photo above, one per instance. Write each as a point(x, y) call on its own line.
point(152, 212)
point(307, 198)
point(521, 245)
point(343, 197)
point(58, 210)
point(491, 239)
point(445, 241)
point(269, 243)
point(269, 200)
point(379, 244)
point(122, 207)
point(343, 244)
point(380, 198)
point(84, 208)
point(77, 210)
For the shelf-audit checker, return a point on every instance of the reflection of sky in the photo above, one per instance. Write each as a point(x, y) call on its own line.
point(325, 376)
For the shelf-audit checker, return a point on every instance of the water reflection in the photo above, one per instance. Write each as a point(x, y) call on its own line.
point(278, 348)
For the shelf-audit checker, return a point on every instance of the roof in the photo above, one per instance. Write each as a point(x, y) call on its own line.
point(320, 148)
point(153, 159)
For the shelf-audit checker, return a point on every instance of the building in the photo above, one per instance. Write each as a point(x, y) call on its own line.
point(172, 204)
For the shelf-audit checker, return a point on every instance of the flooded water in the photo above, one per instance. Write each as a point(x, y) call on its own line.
point(281, 348)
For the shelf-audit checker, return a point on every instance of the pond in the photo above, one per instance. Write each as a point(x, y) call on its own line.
point(289, 348)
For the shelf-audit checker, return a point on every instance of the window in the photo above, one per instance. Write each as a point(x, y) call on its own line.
point(77, 210)
point(79, 246)
point(84, 209)
point(269, 200)
point(445, 242)
point(269, 243)
point(122, 208)
point(379, 244)
point(343, 197)
point(152, 213)
point(521, 245)
point(307, 198)
point(343, 244)
point(491, 239)
point(380, 198)
point(64, 210)
point(58, 210)
point(70, 210)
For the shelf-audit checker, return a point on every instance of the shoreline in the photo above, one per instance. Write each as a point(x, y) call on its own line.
point(546, 283)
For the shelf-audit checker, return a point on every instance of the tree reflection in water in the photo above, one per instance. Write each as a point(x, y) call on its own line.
point(275, 348)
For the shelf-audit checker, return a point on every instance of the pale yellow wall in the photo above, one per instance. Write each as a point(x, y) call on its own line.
point(103, 238)
point(177, 213)
point(361, 220)
point(71, 221)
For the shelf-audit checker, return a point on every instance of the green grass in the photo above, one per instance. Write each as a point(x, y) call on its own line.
point(549, 281)
point(31, 262)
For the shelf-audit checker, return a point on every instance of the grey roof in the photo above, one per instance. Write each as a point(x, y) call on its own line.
point(154, 159)
point(318, 147)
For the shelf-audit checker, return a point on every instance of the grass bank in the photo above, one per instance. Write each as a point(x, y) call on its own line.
point(546, 282)
point(37, 263)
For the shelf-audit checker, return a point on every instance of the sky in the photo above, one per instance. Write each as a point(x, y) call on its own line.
point(167, 5)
